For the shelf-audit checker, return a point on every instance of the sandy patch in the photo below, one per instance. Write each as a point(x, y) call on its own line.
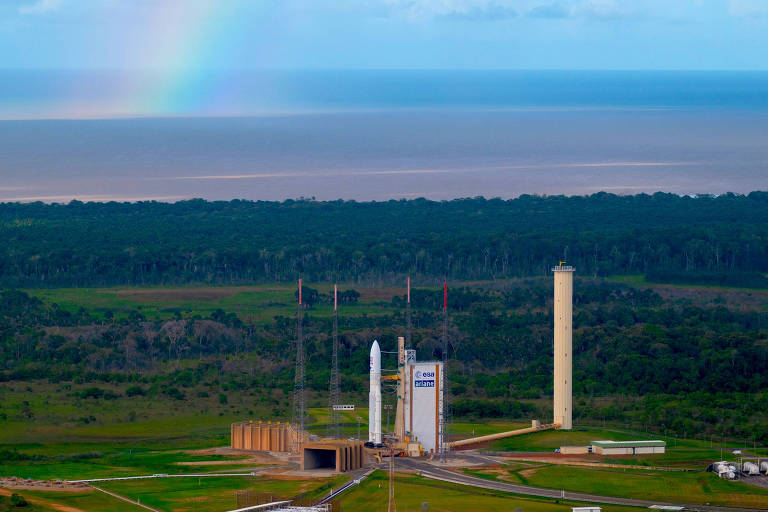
point(35, 501)
point(42, 485)
point(527, 472)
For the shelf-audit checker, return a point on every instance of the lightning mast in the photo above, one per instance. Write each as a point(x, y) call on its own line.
point(334, 397)
point(299, 409)
point(443, 444)
point(408, 316)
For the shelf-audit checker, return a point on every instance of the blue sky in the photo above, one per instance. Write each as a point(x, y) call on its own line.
point(456, 34)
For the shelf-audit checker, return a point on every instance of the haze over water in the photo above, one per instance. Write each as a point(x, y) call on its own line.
point(384, 134)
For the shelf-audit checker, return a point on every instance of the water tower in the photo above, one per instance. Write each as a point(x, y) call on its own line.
point(563, 399)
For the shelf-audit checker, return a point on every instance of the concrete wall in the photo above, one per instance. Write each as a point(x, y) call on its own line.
point(339, 456)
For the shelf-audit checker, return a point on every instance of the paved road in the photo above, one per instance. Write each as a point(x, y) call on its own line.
point(432, 471)
point(356, 477)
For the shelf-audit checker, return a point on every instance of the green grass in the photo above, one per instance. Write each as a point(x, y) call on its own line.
point(639, 281)
point(257, 303)
point(214, 494)
point(47, 501)
point(411, 492)
point(676, 487)
point(116, 464)
point(689, 453)
point(548, 440)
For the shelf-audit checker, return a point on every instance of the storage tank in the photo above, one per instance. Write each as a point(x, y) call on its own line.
point(751, 468)
point(764, 467)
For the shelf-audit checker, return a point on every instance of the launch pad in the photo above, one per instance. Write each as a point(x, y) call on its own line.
point(419, 411)
point(420, 416)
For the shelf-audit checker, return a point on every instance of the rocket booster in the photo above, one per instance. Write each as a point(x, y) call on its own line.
point(374, 397)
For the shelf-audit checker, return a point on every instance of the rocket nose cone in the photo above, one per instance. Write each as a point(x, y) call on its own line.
point(375, 347)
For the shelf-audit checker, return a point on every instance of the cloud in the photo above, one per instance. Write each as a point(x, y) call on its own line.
point(452, 10)
point(748, 8)
point(490, 12)
point(40, 7)
point(551, 11)
point(603, 10)
point(587, 9)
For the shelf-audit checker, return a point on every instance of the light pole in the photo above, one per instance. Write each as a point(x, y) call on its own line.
point(388, 407)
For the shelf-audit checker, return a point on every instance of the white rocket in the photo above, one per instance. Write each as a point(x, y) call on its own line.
point(374, 397)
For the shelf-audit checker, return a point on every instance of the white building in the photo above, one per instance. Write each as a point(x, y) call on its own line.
point(424, 402)
point(628, 447)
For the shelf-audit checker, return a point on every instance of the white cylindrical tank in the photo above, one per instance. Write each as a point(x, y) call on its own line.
point(764, 467)
point(374, 397)
point(751, 468)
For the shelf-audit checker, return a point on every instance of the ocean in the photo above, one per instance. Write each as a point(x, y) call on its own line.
point(379, 135)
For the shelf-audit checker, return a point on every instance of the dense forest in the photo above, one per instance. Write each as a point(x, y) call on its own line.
point(706, 239)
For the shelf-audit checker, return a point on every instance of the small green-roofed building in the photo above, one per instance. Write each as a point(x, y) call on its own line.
point(628, 447)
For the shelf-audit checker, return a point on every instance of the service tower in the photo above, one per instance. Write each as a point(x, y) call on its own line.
point(563, 399)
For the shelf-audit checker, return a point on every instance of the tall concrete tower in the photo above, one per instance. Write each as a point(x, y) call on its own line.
point(563, 399)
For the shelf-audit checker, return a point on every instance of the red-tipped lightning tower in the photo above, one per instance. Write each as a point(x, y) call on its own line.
point(334, 397)
point(408, 316)
point(442, 430)
point(299, 409)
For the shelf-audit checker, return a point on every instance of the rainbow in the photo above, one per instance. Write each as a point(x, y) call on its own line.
point(168, 64)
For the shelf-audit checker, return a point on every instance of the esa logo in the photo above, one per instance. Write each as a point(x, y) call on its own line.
point(425, 375)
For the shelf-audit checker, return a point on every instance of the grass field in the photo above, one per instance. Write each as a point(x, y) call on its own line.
point(639, 281)
point(412, 492)
point(699, 488)
point(215, 494)
point(689, 453)
point(88, 500)
point(256, 304)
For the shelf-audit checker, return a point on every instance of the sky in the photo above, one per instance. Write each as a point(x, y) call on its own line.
point(384, 34)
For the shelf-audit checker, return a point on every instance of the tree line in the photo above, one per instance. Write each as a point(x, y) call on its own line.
point(691, 239)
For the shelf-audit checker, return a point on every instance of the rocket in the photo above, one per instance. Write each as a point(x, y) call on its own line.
point(374, 397)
